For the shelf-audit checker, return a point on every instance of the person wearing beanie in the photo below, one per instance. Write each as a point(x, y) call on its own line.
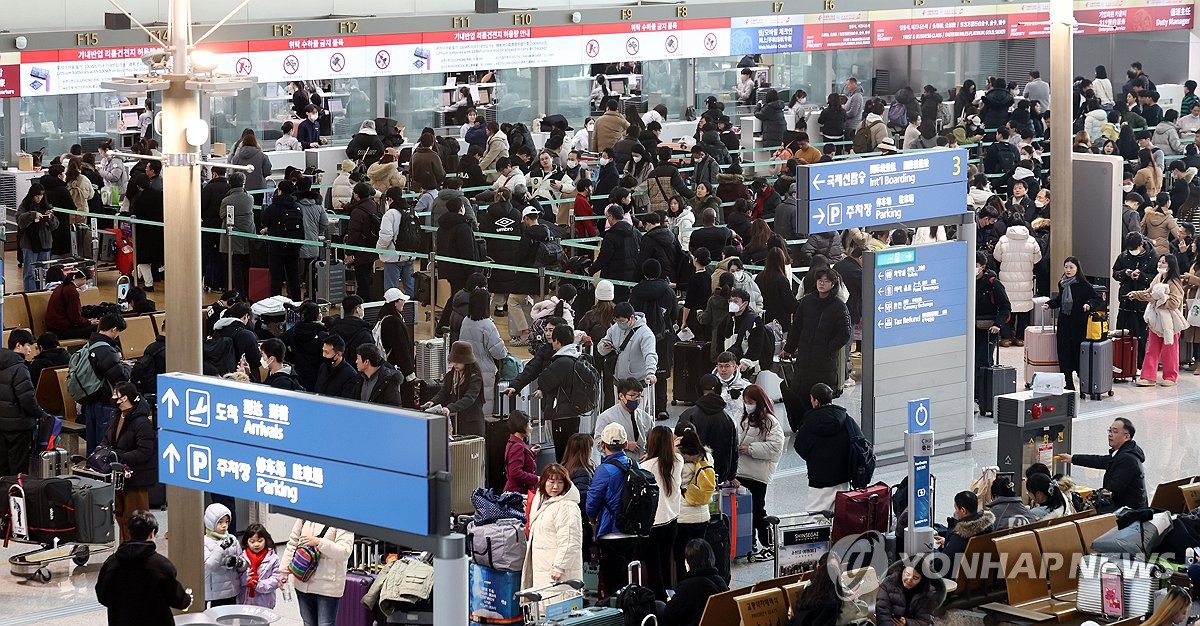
point(654, 298)
point(595, 324)
point(461, 396)
point(365, 146)
point(605, 291)
point(715, 427)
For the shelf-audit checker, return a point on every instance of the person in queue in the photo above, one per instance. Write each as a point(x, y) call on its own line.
point(554, 552)
point(461, 395)
point(760, 446)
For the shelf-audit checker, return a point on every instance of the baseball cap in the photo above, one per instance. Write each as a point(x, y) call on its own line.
point(613, 434)
point(529, 210)
point(394, 294)
point(709, 382)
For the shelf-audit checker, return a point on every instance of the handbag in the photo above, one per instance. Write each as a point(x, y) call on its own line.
point(1097, 326)
point(1101, 501)
point(305, 560)
point(1193, 312)
point(102, 459)
point(491, 506)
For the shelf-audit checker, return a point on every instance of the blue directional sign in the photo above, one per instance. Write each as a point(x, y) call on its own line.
point(310, 453)
point(331, 428)
point(921, 293)
point(860, 193)
point(918, 416)
point(919, 421)
point(321, 486)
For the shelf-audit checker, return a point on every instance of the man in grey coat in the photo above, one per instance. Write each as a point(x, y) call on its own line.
point(316, 225)
point(785, 223)
point(633, 341)
point(243, 222)
point(854, 107)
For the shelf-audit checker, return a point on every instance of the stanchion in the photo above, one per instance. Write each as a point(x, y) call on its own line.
point(229, 248)
point(541, 283)
point(327, 247)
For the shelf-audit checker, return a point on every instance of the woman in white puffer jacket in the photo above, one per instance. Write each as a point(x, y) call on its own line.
point(555, 549)
point(1017, 253)
point(760, 446)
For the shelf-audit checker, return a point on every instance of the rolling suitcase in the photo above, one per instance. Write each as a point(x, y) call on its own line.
point(496, 433)
point(994, 381)
point(545, 455)
point(260, 284)
point(738, 505)
point(468, 471)
point(717, 536)
point(861, 510)
point(691, 362)
point(51, 463)
point(431, 359)
point(592, 616)
point(351, 610)
point(1096, 369)
point(328, 280)
point(1125, 351)
point(1041, 352)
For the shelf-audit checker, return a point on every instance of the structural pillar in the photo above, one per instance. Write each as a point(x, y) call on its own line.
point(181, 232)
point(1062, 23)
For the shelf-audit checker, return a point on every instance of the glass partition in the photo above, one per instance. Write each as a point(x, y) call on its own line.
point(666, 81)
point(413, 101)
point(568, 91)
point(516, 96)
point(50, 124)
point(716, 76)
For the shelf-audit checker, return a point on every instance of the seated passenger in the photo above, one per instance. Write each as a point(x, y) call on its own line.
point(1010, 512)
point(967, 522)
point(908, 595)
point(64, 312)
point(701, 581)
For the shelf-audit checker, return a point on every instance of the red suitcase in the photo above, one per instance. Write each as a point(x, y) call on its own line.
point(260, 284)
point(862, 510)
point(1125, 350)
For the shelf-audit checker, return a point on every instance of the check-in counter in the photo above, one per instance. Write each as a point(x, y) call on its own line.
point(325, 158)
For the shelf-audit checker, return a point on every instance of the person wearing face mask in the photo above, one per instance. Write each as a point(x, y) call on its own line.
point(1041, 205)
point(634, 344)
point(749, 340)
point(309, 133)
point(133, 438)
point(713, 424)
point(572, 167)
point(1165, 320)
point(704, 168)
point(581, 140)
point(1131, 221)
point(760, 446)
point(628, 414)
point(1075, 299)
point(548, 183)
point(618, 257)
point(335, 376)
point(609, 178)
point(820, 329)
point(741, 280)
point(1134, 270)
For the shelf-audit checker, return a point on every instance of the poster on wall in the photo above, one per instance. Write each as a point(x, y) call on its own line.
point(835, 31)
point(10, 81)
point(766, 34)
point(648, 41)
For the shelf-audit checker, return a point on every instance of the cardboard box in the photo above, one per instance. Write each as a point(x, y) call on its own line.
point(25, 163)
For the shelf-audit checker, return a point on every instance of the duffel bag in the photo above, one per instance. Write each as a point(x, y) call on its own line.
point(499, 545)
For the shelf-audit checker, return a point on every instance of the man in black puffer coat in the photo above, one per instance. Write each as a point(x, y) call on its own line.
point(455, 239)
point(501, 218)
point(660, 244)
point(303, 343)
point(351, 327)
point(618, 258)
point(824, 444)
point(820, 329)
point(654, 298)
point(19, 411)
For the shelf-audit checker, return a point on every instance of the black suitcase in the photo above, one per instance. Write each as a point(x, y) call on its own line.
point(717, 536)
point(691, 362)
point(93, 503)
point(327, 275)
point(496, 432)
point(995, 380)
point(423, 285)
point(158, 497)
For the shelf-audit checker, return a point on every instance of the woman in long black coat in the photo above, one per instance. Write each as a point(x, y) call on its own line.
point(820, 329)
point(147, 239)
point(1075, 299)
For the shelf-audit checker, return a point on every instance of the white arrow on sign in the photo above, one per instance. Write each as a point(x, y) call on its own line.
point(816, 181)
point(820, 216)
point(879, 276)
point(171, 400)
point(171, 454)
point(879, 308)
point(880, 324)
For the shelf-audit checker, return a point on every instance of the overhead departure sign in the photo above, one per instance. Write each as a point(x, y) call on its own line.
point(860, 193)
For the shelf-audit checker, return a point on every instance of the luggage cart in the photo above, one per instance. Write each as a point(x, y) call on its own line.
point(34, 565)
point(531, 600)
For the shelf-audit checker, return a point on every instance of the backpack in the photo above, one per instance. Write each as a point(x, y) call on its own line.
point(371, 233)
point(220, 355)
point(508, 368)
point(699, 491)
point(898, 115)
point(864, 139)
point(549, 253)
point(82, 378)
point(639, 499)
point(290, 224)
point(636, 602)
point(408, 232)
point(580, 391)
point(862, 456)
point(1006, 158)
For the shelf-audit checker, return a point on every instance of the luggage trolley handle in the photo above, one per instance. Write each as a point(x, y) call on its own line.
point(636, 566)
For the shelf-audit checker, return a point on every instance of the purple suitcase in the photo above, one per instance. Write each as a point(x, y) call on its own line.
point(351, 610)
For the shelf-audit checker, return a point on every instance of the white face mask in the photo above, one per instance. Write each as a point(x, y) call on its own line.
point(1162, 270)
point(312, 118)
point(572, 163)
point(1039, 204)
point(1127, 188)
point(734, 307)
point(637, 158)
point(738, 275)
point(750, 406)
point(604, 161)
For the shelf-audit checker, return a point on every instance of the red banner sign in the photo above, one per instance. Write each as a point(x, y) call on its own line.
point(10, 81)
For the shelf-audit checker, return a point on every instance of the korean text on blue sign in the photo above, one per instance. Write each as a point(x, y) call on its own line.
point(921, 293)
point(766, 34)
point(311, 453)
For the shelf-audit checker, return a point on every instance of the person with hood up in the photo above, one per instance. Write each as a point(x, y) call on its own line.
point(770, 112)
point(1007, 508)
point(995, 103)
point(223, 559)
point(1124, 476)
point(250, 154)
point(555, 549)
point(385, 173)
point(304, 342)
point(710, 418)
point(365, 146)
point(824, 444)
point(132, 436)
point(820, 329)
point(1166, 134)
point(618, 255)
point(426, 166)
point(1017, 253)
point(137, 584)
point(1095, 119)
point(363, 231)
point(342, 189)
point(968, 521)
point(235, 326)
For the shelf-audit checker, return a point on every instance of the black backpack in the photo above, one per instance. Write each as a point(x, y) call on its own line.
point(549, 252)
point(408, 232)
point(639, 499)
point(635, 600)
point(862, 456)
point(578, 395)
point(220, 356)
point(290, 224)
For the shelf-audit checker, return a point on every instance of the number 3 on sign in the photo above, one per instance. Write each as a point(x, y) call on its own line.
point(957, 165)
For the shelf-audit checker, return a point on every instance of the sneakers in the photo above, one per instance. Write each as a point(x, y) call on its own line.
point(1167, 383)
point(662, 415)
point(501, 312)
point(761, 553)
point(1142, 382)
point(517, 341)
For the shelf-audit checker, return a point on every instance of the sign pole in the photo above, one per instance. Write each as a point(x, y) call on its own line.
point(1062, 24)
point(918, 446)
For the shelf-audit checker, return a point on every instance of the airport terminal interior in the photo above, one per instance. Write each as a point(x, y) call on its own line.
point(749, 85)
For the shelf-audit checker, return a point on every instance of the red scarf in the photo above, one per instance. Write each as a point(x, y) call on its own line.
point(255, 560)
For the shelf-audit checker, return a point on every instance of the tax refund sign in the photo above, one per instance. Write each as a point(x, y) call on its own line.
point(872, 191)
point(327, 456)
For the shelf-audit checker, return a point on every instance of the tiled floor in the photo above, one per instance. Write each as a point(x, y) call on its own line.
point(1167, 430)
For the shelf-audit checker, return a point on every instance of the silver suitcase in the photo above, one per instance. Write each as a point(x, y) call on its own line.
point(51, 463)
point(468, 471)
point(431, 359)
point(1139, 580)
